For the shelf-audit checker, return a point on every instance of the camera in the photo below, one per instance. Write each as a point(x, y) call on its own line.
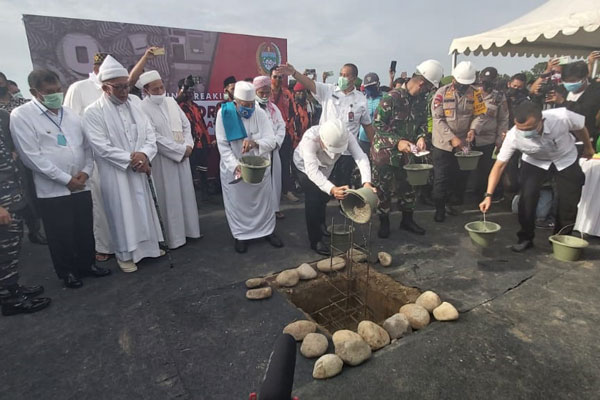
point(547, 87)
point(189, 82)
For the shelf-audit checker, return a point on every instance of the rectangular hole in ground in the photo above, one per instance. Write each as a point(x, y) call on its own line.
point(336, 302)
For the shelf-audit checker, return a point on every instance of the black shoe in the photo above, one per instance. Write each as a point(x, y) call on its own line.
point(29, 291)
point(452, 211)
point(72, 282)
point(24, 305)
point(97, 271)
point(38, 238)
point(440, 215)
point(522, 246)
point(321, 248)
point(241, 246)
point(384, 226)
point(408, 224)
point(324, 230)
point(274, 240)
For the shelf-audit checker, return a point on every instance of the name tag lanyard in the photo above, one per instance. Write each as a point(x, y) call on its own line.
point(61, 140)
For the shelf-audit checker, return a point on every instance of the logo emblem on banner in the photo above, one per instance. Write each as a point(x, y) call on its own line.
point(267, 56)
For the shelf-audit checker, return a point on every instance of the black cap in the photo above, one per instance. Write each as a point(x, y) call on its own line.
point(488, 74)
point(371, 79)
point(228, 81)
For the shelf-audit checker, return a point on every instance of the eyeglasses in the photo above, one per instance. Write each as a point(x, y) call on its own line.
point(119, 87)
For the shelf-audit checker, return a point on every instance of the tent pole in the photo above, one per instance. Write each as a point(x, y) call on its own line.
point(454, 57)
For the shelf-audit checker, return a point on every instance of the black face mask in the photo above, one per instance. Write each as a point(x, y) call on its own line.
point(460, 88)
point(515, 93)
point(488, 86)
point(3, 90)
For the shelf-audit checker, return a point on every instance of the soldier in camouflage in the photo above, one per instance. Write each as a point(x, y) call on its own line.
point(400, 124)
point(15, 299)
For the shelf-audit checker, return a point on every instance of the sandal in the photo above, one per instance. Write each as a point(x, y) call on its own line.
point(101, 257)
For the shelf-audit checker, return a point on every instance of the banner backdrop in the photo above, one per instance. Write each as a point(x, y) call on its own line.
point(67, 46)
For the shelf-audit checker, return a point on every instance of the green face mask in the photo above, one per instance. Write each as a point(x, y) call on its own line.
point(53, 101)
point(343, 83)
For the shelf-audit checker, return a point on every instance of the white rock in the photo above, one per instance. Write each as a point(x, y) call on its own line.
point(331, 264)
point(305, 271)
point(314, 345)
point(327, 366)
point(385, 259)
point(288, 278)
point(417, 316)
point(397, 326)
point(358, 256)
point(429, 300)
point(344, 335)
point(373, 334)
point(354, 351)
point(258, 294)
point(255, 282)
point(299, 329)
point(445, 312)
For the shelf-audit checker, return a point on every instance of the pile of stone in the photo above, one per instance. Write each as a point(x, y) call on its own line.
point(257, 289)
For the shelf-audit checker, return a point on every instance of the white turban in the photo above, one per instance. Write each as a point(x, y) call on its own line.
point(146, 78)
point(111, 69)
point(244, 91)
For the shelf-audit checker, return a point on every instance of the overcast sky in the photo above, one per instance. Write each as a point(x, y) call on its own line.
point(321, 34)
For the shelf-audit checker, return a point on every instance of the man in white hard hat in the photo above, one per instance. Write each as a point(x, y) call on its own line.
point(454, 108)
point(400, 129)
point(124, 142)
point(321, 146)
point(171, 165)
point(242, 129)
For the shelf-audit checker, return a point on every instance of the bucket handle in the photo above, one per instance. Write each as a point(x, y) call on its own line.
point(566, 226)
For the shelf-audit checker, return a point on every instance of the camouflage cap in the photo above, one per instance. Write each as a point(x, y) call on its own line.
point(99, 58)
point(488, 74)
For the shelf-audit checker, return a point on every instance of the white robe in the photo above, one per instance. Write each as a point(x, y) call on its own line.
point(279, 129)
point(171, 172)
point(80, 95)
point(132, 217)
point(248, 207)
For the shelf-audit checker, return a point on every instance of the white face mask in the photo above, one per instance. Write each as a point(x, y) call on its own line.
point(157, 98)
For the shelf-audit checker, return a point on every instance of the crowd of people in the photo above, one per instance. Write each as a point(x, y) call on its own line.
point(110, 167)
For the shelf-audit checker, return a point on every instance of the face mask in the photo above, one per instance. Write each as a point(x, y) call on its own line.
point(3, 90)
point(115, 100)
point(18, 95)
point(157, 98)
point(460, 88)
point(488, 86)
point(573, 86)
point(261, 100)
point(343, 83)
point(246, 112)
point(226, 96)
point(528, 134)
point(300, 99)
point(53, 101)
point(372, 91)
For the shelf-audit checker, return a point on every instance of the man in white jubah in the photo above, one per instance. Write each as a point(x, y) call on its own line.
point(123, 142)
point(80, 95)
point(171, 166)
point(262, 85)
point(242, 129)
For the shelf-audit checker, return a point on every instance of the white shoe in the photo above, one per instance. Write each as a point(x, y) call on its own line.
point(127, 266)
point(162, 253)
point(291, 197)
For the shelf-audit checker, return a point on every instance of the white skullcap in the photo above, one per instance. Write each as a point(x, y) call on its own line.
point(146, 78)
point(111, 69)
point(244, 91)
point(334, 136)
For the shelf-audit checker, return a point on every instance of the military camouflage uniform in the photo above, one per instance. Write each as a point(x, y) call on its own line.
point(11, 198)
point(399, 116)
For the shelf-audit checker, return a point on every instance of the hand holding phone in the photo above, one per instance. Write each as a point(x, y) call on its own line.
point(393, 66)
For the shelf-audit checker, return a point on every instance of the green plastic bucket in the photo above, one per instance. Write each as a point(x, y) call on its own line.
point(253, 168)
point(482, 233)
point(417, 174)
point(469, 161)
point(340, 237)
point(567, 248)
point(359, 204)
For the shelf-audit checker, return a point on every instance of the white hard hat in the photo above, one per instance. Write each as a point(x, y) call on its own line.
point(465, 73)
point(431, 70)
point(334, 136)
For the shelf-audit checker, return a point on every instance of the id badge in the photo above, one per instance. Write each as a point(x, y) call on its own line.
point(61, 140)
point(351, 116)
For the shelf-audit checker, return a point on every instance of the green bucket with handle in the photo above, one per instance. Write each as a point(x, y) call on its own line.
point(359, 204)
point(468, 161)
point(253, 168)
point(566, 247)
point(417, 174)
point(482, 233)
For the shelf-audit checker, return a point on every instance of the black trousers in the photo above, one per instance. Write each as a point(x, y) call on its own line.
point(484, 167)
point(568, 186)
point(68, 223)
point(449, 182)
point(510, 177)
point(315, 207)
point(285, 154)
point(342, 171)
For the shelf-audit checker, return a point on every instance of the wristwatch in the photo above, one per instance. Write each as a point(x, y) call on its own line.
point(487, 195)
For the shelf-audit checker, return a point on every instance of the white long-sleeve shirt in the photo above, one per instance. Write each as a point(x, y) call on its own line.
point(317, 164)
point(35, 131)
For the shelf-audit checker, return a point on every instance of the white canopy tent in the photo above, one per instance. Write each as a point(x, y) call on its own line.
point(556, 28)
